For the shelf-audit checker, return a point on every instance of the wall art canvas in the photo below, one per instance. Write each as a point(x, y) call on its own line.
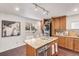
point(29, 27)
point(10, 28)
point(33, 28)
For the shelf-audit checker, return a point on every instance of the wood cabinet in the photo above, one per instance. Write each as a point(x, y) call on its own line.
point(76, 45)
point(66, 42)
point(53, 27)
point(69, 43)
point(58, 23)
point(62, 42)
point(63, 23)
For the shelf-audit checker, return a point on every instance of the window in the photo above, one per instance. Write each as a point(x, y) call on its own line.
point(75, 25)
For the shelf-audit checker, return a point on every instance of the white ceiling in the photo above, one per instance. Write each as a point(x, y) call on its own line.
point(27, 9)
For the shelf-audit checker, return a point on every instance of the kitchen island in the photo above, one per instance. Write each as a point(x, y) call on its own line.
point(41, 46)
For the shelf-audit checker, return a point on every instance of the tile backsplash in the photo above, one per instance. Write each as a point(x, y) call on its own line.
point(72, 32)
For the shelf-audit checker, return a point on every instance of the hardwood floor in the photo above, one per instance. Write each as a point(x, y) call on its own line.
point(66, 52)
point(21, 51)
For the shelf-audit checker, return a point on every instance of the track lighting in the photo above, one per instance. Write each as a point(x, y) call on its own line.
point(44, 10)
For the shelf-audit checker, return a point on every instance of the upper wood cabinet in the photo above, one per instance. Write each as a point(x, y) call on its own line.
point(63, 23)
point(58, 23)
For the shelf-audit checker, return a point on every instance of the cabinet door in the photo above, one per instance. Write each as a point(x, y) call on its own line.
point(56, 24)
point(69, 43)
point(62, 42)
point(30, 51)
point(53, 27)
point(63, 23)
point(76, 45)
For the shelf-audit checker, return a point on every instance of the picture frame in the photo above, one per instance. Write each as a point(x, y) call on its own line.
point(10, 28)
point(29, 27)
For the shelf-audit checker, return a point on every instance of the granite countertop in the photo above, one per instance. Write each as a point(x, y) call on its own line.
point(39, 42)
point(72, 36)
point(67, 36)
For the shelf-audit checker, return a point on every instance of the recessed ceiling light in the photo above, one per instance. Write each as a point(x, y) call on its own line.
point(17, 9)
point(75, 9)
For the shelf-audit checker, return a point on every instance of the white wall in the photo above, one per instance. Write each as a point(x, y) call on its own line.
point(71, 19)
point(7, 43)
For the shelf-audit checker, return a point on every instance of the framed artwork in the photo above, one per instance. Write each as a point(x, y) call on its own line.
point(10, 28)
point(30, 27)
point(33, 28)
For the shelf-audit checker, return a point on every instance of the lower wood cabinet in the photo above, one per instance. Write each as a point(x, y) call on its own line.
point(66, 42)
point(69, 43)
point(76, 45)
point(62, 41)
